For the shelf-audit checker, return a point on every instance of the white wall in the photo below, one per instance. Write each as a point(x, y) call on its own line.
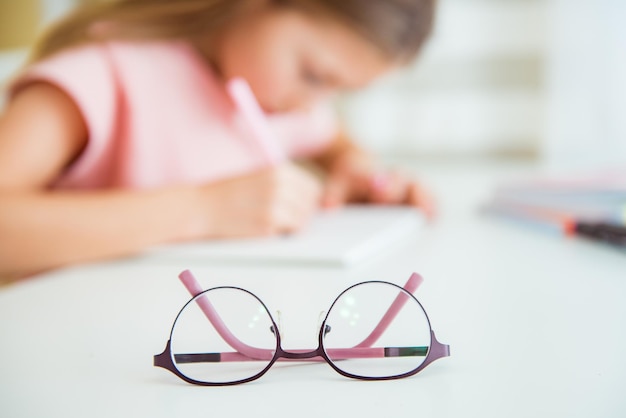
point(477, 88)
point(586, 83)
point(516, 77)
point(53, 9)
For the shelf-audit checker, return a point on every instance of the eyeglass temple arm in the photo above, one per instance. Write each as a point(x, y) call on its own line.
point(192, 285)
point(410, 286)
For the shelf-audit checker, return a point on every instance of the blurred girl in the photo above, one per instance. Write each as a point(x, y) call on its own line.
point(119, 134)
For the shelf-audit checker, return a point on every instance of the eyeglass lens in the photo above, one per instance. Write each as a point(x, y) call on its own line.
point(223, 335)
point(363, 338)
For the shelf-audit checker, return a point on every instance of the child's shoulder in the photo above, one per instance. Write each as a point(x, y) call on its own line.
point(156, 59)
point(114, 66)
point(118, 52)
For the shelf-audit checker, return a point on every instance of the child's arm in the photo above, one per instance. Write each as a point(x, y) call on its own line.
point(42, 131)
point(354, 177)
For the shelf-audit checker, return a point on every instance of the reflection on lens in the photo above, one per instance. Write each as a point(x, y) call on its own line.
point(376, 330)
point(223, 335)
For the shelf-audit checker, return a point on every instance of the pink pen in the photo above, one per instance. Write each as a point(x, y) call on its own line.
point(243, 97)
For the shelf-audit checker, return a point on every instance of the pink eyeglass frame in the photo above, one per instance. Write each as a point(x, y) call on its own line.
point(245, 352)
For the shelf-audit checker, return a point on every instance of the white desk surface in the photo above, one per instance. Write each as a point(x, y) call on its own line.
point(536, 325)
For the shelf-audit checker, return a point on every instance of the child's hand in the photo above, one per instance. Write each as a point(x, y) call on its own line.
point(274, 201)
point(355, 179)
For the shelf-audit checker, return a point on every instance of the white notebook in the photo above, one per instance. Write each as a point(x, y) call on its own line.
point(337, 237)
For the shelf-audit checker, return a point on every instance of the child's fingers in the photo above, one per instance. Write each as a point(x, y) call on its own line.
point(422, 198)
point(336, 192)
point(388, 188)
point(296, 201)
point(393, 188)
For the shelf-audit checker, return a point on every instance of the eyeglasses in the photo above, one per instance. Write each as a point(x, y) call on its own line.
point(373, 331)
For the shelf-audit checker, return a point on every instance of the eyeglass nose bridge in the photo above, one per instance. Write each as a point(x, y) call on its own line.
point(320, 321)
point(302, 354)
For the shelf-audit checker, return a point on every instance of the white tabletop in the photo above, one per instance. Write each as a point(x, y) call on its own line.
point(535, 324)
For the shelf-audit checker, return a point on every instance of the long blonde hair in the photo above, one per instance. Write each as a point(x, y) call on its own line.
point(397, 27)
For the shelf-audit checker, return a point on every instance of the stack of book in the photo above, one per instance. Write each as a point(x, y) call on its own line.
point(592, 206)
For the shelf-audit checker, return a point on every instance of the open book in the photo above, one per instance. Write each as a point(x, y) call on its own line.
point(337, 237)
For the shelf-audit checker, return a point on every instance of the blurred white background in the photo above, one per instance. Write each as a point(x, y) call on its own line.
point(523, 79)
point(541, 79)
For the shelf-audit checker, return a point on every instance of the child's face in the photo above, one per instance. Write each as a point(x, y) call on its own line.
point(292, 60)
